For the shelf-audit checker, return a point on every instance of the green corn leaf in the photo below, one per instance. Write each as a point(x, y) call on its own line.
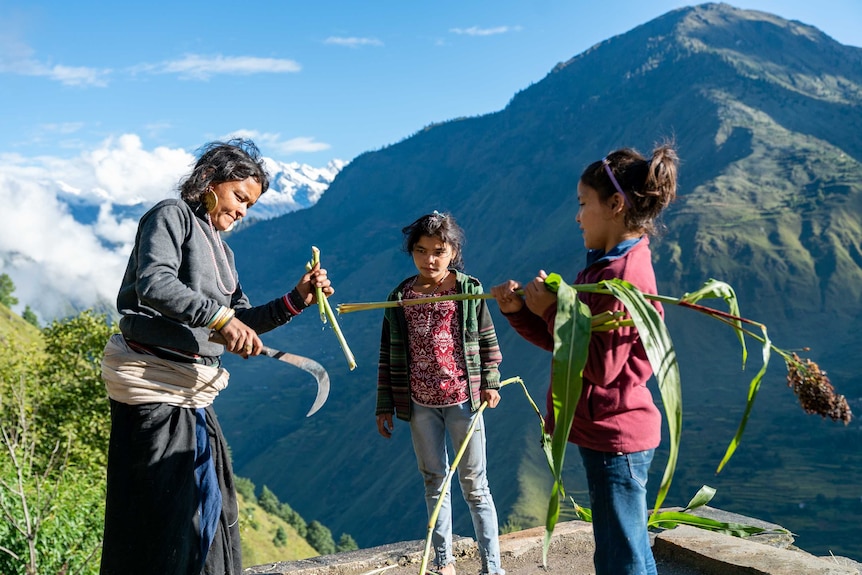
point(715, 289)
point(571, 344)
point(703, 496)
point(662, 357)
point(753, 388)
point(671, 519)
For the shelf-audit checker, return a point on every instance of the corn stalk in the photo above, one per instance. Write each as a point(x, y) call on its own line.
point(327, 314)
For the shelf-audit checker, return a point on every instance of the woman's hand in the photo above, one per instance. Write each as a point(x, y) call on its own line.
point(240, 339)
point(310, 281)
point(538, 297)
point(507, 299)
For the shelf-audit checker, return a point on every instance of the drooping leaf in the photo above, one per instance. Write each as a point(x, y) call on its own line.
point(662, 357)
point(753, 388)
point(715, 289)
point(571, 344)
point(671, 519)
point(703, 496)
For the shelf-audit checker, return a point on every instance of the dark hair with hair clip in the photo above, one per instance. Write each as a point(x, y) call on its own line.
point(647, 185)
point(437, 225)
point(234, 160)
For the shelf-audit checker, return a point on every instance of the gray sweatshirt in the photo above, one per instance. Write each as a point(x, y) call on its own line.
point(170, 289)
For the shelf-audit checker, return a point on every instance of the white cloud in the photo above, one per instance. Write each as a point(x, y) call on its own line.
point(67, 75)
point(477, 31)
point(352, 42)
point(76, 75)
point(203, 67)
point(53, 259)
point(274, 145)
point(60, 265)
point(16, 57)
point(128, 174)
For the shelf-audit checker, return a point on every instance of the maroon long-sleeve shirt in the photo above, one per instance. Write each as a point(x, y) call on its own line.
point(616, 412)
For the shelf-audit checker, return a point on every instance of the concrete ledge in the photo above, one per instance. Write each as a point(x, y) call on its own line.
point(359, 561)
point(717, 554)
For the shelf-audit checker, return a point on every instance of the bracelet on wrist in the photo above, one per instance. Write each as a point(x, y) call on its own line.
point(294, 302)
point(217, 316)
point(224, 319)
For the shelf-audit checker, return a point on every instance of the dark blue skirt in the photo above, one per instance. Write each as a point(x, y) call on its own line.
point(154, 500)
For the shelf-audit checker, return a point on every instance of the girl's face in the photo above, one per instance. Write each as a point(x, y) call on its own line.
point(432, 257)
point(601, 222)
point(234, 200)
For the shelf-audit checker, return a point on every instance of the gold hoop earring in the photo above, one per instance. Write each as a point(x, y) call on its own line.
point(210, 200)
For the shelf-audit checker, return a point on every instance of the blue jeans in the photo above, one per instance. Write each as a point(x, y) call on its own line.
point(617, 483)
point(428, 427)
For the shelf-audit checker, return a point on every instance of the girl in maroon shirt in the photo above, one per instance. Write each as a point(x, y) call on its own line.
point(616, 426)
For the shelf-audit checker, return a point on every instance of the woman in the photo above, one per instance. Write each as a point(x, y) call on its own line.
point(171, 500)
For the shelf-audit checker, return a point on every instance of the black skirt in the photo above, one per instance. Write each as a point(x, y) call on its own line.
point(152, 520)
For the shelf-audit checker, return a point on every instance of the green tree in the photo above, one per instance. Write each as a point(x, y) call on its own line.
point(320, 537)
point(280, 539)
point(30, 316)
point(54, 422)
point(346, 543)
point(7, 288)
point(52, 512)
point(269, 502)
point(245, 487)
point(75, 402)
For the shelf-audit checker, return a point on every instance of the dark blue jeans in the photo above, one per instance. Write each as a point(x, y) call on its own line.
point(617, 483)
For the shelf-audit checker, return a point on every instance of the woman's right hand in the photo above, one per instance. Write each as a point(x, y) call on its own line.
point(241, 339)
point(507, 299)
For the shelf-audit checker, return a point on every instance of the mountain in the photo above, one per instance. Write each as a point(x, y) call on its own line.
point(765, 114)
point(293, 186)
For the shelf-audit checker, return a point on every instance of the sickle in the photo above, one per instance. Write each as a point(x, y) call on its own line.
point(311, 367)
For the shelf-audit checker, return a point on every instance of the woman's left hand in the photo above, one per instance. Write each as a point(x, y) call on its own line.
point(492, 396)
point(310, 281)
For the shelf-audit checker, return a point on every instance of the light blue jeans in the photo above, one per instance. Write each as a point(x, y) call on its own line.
point(617, 483)
point(428, 427)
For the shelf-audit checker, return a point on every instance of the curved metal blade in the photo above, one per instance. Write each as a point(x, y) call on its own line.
point(311, 367)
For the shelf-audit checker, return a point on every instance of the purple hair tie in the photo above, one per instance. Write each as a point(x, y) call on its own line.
point(614, 181)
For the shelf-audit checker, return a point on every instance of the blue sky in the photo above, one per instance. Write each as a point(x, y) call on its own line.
point(103, 102)
point(312, 80)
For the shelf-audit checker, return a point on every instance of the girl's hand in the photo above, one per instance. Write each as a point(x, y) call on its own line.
point(384, 425)
point(507, 299)
point(539, 298)
point(492, 396)
point(240, 339)
point(310, 281)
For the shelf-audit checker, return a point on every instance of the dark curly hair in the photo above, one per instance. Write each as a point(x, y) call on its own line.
point(437, 225)
point(234, 160)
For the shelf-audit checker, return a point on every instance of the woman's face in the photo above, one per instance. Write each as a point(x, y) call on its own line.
point(432, 257)
point(234, 200)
